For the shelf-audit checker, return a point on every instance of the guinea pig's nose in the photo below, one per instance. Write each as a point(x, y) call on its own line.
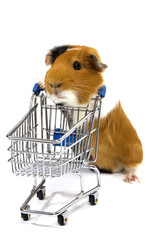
point(56, 92)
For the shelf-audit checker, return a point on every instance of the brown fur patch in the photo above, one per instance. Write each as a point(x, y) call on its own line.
point(119, 145)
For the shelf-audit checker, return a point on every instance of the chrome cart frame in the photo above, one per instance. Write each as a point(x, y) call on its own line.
point(50, 141)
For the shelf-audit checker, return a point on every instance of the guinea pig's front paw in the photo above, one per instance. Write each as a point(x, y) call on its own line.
point(130, 177)
point(41, 84)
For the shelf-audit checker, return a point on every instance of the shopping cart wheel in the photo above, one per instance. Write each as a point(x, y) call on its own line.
point(63, 218)
point(41, 193)
point(26, 216)
point(93, 198)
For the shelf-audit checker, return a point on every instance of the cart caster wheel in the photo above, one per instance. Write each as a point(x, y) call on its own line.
point(26, 216)
point(41, 193)
point(62, 218)
point(93, 198)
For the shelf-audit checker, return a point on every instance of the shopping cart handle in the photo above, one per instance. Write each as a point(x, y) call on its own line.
point(37, 89)
point(102, 91)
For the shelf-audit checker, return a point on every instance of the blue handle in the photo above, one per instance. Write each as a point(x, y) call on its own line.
point(102, 91)
point(37, 89)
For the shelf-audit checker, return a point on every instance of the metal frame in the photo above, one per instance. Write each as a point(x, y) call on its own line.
point(35, 153)
point(62, 210)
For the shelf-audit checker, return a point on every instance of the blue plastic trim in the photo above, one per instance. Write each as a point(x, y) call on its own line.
point(102, 91)
point(68, 140)
point(37, 89)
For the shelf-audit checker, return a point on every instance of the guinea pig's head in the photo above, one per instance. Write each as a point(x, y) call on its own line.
point(75, 74)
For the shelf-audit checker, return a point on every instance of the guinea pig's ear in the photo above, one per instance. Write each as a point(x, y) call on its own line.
point(48, 59)
point(55, 52)
point(96, 64)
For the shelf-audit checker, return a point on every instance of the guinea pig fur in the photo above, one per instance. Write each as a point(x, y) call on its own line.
point(73, 79)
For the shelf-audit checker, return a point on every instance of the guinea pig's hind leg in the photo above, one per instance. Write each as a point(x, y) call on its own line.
point(131, 177)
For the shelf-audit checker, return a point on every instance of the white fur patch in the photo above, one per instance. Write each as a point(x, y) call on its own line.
point(69, 99)
point(108, 104)
point(69, 49)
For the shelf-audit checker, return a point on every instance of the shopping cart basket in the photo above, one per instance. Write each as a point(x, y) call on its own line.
point(53, 140)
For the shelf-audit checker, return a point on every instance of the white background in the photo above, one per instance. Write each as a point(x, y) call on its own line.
point(126, 33)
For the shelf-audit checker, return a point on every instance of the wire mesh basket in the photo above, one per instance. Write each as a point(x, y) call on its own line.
point(53, 140)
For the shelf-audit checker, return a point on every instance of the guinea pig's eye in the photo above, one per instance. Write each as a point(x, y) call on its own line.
point(59, 85)
point(77, 65)
point(51, 85)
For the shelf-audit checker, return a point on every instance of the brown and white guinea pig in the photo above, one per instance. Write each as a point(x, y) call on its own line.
point(73, 79)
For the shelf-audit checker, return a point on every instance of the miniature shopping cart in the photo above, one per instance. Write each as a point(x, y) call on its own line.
point(53, 140)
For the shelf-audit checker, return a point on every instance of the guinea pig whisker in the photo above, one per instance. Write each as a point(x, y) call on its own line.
point(80, 96)
point(77, 88)
point(79, 85)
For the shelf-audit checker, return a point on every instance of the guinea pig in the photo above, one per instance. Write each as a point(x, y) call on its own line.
point(73, 79)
